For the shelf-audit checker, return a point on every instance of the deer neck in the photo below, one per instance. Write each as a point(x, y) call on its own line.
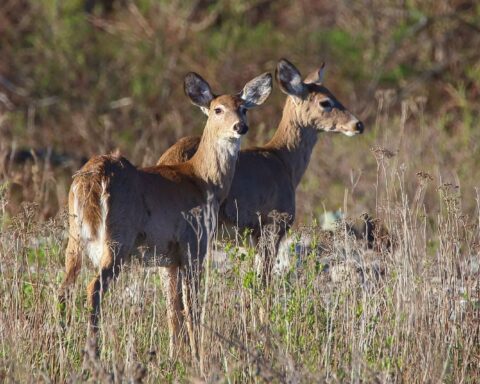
point(294, 141)
point(214, 162)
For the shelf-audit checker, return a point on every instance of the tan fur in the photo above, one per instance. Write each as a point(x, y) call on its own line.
point(168, 210)
point(183, 150)
point(262, 194)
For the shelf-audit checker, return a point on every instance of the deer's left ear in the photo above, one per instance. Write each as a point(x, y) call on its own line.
point(316, 77)
point(257, 90)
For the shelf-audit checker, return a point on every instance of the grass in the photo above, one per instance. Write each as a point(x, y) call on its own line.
point(341, 312)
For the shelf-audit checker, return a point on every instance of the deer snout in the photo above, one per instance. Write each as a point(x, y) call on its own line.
point(241, 128)
point(359, 127)
point(353, 128)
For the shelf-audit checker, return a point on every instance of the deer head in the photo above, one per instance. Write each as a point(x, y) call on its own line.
point(312, 104)
point(227, 117)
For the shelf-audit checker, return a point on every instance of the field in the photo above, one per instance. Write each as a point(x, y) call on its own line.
point(404, 307)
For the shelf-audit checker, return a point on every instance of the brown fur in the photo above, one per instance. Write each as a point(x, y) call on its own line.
point(170, 210)
point(183, 150)
point(262, 195)
point(89, 185)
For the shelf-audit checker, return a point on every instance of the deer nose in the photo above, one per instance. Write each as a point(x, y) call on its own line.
point(360, 127)
point(241, 128)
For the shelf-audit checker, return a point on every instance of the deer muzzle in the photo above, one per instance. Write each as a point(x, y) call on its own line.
point(241, 128)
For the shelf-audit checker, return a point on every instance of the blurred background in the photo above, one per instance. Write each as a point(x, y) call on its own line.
point(84, 77)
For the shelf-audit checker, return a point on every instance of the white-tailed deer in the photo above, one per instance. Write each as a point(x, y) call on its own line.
point(266, 177)
point(171, 210)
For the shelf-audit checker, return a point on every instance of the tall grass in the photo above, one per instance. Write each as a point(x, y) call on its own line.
point(405, 311)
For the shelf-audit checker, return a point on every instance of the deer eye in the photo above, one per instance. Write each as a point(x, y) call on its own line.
point(218, 111)
point(327, 105)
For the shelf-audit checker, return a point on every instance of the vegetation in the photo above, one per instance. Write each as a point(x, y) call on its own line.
point(73, 84)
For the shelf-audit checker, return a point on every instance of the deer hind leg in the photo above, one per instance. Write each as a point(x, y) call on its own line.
point(113, 255)
point(171, 280)
point(73, 262)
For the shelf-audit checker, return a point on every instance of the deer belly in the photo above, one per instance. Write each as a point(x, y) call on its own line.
point(155, 257)
point(157, 246)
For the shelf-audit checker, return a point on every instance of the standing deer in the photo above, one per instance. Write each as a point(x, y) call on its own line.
point(266, 177)
point(115, 207)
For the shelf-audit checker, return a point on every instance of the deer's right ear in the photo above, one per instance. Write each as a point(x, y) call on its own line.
point(198, 90)
point(289, 79)
point(256, 91)
point(316, 77)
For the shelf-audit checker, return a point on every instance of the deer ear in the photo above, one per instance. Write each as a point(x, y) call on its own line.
point(316, 77)
point(198, 90)
point(289, 79)
point(256, 91)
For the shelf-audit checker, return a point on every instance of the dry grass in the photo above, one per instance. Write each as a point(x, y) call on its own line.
point(341, 312)
point(72, 86)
